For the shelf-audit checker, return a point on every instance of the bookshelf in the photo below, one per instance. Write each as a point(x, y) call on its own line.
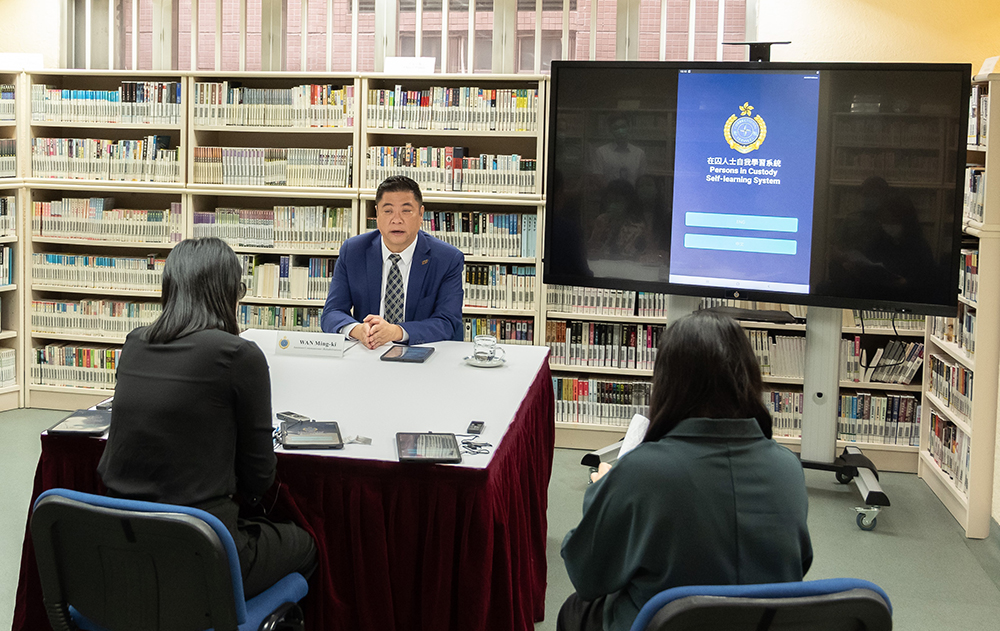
point(12, 114)
point(958, 444)
point(491, 130)
point(97, 226)
point(600, 321)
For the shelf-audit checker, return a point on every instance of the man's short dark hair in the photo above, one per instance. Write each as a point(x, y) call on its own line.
point(399, 184)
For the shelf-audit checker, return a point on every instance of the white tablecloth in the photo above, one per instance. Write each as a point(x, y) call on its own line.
point(372, 398)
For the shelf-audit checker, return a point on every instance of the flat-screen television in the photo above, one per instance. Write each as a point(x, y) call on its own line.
point(829, 184)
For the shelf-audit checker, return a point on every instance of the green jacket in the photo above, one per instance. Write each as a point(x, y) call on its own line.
point(713, 502)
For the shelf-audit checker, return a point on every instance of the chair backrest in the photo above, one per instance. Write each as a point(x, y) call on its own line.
point(125, 564)
point(824, 605)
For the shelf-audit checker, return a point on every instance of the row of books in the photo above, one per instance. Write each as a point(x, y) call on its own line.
point(285, 280)
point(797, 311)
point(600, 401)
point(8, 367)
point(871, 319)
point(591, 300)
point(499, 286)
point(8, 157)
point(452, 169)
point(979, 108)
point(8, 111)
point(97, 219)
point(250, 166)
point(893, 419)
point(92, 317)
point(484, 233)
point(951, 383)
point(282, 318)
point(506, 330)
point(968, 275)
point(149, 102)
point(75, 366)
point(8, 215)
point(464, 108)
point(601, 344)
point(898, 362)
point(951, 449)
point(145, 160)
point(225, 103)
point(975, 193)
point(786, 412)
point(97, 272)
point(960, 330)
point(292, 227)
point(6, 265)
point(779, 355)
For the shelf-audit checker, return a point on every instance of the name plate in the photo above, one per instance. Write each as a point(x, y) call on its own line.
point(313, 344)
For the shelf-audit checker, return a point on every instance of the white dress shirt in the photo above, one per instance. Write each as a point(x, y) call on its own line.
point(405, 259)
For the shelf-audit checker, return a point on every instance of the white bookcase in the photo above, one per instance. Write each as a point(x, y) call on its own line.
point(969, 488)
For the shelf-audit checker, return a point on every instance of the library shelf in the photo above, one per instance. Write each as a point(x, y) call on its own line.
point(242, 249)
point(954, 351)
point(110, 186)
point(603, 370)
point(104, 243)
point(70, 289)
point(589, 436)
point(272, 191)
point(526, 313)
point(8, 335)
point(469, 197)
point(961, 421)
point(952, 497)
point(600, 317)
point(512, 260)
point(976, 148)
point(10, 238)
point(884, 331)
point(276, 129)
point(8, 123)
point(10, 389)
point(95, 125)
point(848, 385)
point(78, 337)
point(64, 397)
point(292, 302)
point(5, 288)
point(460, 133)
point(966, 301)
point(597, 427)
point(978, 508)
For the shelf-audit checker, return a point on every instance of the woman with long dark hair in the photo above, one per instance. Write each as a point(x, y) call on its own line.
point(191, 418)
point(707, 498)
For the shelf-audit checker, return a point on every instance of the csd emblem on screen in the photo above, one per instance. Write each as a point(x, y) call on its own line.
point(743, 133)
point(283, 342)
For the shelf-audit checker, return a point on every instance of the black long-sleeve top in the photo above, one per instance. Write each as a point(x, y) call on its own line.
point(191, 423)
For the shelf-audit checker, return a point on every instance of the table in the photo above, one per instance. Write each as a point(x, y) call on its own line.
point(402, 547)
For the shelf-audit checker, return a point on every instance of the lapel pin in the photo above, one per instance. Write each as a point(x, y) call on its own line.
point(424, 262)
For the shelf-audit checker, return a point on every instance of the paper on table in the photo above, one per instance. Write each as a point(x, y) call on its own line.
point(636, 432)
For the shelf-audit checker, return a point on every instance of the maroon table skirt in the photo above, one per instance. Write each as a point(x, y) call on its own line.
point(402, 547)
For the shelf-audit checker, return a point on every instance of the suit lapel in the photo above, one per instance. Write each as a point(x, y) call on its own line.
point(373, 266)
point(418, 273)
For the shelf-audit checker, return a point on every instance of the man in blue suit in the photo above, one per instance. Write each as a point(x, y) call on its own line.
point(398, 284)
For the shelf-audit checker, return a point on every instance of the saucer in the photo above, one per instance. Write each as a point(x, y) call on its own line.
point(493, 363)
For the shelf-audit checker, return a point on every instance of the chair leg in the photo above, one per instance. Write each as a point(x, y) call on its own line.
point(287, 617)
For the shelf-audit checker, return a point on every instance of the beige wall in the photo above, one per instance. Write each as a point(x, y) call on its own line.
point(882, 30)
point(32, 26)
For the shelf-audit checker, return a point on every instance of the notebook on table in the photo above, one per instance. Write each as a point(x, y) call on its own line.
point(310, 435)
point(83, 423)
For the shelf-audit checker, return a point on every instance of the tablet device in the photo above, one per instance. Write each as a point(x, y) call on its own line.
point(411, 354)
point(83, 423)
point(311, 435)
point(427, 447)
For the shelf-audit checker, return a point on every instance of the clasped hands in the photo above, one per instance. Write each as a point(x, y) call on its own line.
point(375, 332)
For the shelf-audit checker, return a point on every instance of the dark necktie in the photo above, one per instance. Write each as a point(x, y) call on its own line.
point(394, 292)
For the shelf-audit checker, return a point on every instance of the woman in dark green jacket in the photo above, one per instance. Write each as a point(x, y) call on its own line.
point(707, 498)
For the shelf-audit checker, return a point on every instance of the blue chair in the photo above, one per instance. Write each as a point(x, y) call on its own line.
point(838, 604)
point(109, 564)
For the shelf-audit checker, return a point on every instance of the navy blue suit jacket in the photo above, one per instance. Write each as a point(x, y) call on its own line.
point(434, 289)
